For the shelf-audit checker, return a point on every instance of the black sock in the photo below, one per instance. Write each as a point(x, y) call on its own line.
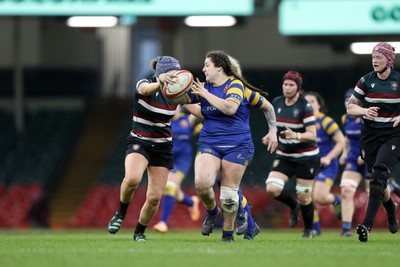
point(389, 205)
point(140, 228)
point(308, 215)
point(123, 208)
point(372, 210)
point(288, 199)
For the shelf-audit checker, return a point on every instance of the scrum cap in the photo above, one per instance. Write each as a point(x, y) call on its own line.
point(387, 50)
point(294, 76)
point(165, 64)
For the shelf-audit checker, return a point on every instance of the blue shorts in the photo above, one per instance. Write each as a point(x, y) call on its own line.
point(352, 166)
point(182, 162)
point(242, 154)
point(328, 174)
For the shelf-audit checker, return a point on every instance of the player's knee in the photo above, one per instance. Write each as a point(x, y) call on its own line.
point(348, 188)
point(131, 182)
point(380, 174)
point(303, 189)
point(229, 198)
point(274, 186)
point(319, 199)
point(378, 180)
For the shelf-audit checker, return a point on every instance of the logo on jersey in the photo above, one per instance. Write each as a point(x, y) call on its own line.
point(296, 112)
point(372, 85)
point(226, 88)
point(348, 166)
point(279, 110)
point(184, 124)
point(393, 147)
point(135, 147)
point(395, 86)
point(312, 170)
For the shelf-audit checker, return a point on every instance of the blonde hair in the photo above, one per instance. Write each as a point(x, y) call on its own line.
point(236, 65)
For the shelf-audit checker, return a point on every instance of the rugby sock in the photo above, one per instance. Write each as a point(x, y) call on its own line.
point(240, 208)
point(168, 203)
point(336, 200)
point(250, 221)
point(346, 225)
point(227, 232)
point(372, 210)
point(288, 199)
point(316, 222)
point(308, 214)
point(140, 228)
point(389, 205)
point(187, 200)
point(213, 211)
point(123, 208)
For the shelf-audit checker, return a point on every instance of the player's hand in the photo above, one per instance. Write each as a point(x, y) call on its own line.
point(396, 123)
point(372, 112)
point(198, 88)
point(325, 161)
point(271, 141)
point(289, 133)
point(167, 77)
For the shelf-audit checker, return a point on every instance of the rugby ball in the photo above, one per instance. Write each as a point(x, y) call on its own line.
point(183, 81)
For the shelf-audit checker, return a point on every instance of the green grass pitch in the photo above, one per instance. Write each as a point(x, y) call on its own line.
point(97, 248)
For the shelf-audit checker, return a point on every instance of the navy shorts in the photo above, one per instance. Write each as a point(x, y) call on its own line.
point(303, 170)
point(159, 155)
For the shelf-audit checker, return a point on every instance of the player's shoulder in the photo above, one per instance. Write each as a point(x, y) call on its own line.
point(369, 76)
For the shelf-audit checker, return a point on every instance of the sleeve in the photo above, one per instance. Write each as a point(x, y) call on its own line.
point(360, 89)
point(192, 98)
point(309, 118)
point(330, 126)
point(235, 92)
point(255, 99)
point(344, 119)
point(197, 129)
point(140, 83)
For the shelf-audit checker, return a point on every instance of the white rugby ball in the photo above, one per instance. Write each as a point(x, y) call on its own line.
point(183, 81)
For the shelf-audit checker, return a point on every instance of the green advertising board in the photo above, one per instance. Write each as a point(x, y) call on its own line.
point(126, 7)
point(339, 17)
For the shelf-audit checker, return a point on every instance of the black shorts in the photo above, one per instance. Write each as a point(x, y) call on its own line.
point(156, 154)
point(303, 170)
point(380, 145)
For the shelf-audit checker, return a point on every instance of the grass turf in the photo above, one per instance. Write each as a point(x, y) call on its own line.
point(181, 248)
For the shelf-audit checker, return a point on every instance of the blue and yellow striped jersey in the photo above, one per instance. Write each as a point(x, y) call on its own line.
point(327, 128)
point(218, 128)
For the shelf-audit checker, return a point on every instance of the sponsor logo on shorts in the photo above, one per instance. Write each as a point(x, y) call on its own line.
point(135, 147)
point(240, 156)
point(276, 163)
